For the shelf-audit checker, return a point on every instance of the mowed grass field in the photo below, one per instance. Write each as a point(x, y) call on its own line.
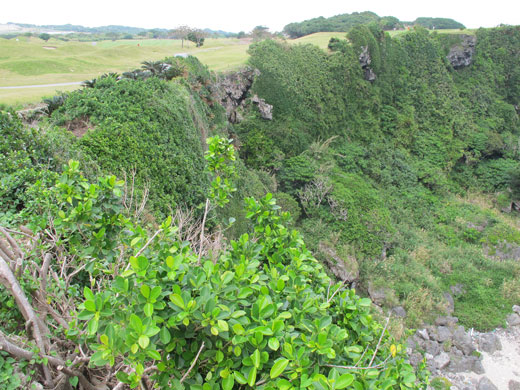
point(31, 61)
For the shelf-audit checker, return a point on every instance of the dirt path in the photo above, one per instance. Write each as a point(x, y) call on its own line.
point(42, 85)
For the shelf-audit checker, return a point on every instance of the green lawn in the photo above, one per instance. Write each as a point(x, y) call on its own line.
point(320, 39)
point(31, 61)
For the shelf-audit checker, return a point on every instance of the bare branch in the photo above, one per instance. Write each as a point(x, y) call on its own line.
point(202, 230)
point(10, 282)
point(337, 290)
point(193, 363)
point(147, 243)
point(379, 342)
point(44, 270)
point(60, 365)
point(16, 249)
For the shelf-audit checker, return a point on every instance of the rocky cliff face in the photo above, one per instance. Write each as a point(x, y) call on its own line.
point(365, 60)
point(461, 55)
point(234, 90)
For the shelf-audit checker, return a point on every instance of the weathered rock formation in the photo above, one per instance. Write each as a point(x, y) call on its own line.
point(234, 89)
point(266, 110)
point(365, 60)
point(461, 55)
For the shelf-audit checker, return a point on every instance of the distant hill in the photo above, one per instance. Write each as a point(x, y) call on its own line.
point(438, 23)
point(345, 22)
point(105, 29)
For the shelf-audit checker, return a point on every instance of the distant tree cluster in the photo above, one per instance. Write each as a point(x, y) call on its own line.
point(345, 22)
point(438, 23)
point(194, 35)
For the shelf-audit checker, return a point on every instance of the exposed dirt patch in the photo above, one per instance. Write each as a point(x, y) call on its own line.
point(79, 126)
point(49, 47)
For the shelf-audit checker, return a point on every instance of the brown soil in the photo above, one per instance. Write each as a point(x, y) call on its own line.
point(79, 126)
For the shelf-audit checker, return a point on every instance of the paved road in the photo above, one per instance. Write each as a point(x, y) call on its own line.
point(42, 85)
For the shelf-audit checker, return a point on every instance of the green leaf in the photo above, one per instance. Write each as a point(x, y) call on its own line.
point(92, 326)
point(223, 325)
point(165, 335)
point(365, 302)
point(143, 341)
point(177, 300)
point(154, 294)
point(85, 315)
point(154, 354)
point(148, 309)
point(145, 290)
point(73, 381)
point(136, 323)
point(409, 378)
point(278, 367)
point(255, 358)
point(238, 329)
point(344, 381)
point(89, 295)
point(251, 378)
point(227, 383)
point(240, 377)
point(273, 343)
point(90, 305)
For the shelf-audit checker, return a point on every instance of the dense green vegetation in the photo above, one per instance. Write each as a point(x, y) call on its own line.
point(406, 145)
point(345, 22)
point(406, 183)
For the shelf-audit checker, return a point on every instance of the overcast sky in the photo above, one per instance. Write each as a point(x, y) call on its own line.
point(241, 15)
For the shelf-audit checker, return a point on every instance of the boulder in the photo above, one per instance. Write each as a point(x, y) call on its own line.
point(516, 309)
point(462, 340)
point(415, 359)
point(446, 320)
point(441, 361)
point(460, 363)
point(477, 368)
point(377, 294)
point(347, 268)
point(513, 319)
point(423, 333)
point(399, 311)
point(442, 334)
point(513, 385)
point(432, 347)
point(489, 342)
point(485, 384)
